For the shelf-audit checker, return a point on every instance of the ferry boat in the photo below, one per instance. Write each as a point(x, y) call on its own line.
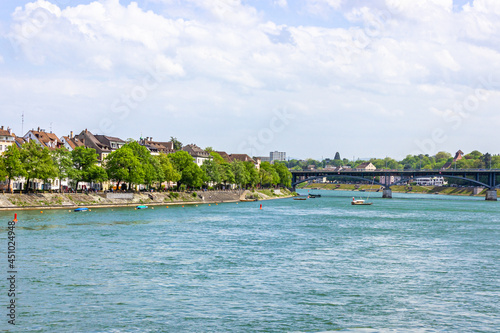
point(360, 202)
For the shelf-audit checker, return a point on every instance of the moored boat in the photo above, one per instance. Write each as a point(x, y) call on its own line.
point(81, 209)
point(360, 202)
point(141, 207)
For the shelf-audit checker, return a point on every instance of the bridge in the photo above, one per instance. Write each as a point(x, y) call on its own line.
point(479, 177)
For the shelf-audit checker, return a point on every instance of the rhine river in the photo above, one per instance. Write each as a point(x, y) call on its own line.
point(414, 263)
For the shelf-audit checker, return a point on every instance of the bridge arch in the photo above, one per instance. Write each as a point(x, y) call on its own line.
point(396, 183)
point(342, 176)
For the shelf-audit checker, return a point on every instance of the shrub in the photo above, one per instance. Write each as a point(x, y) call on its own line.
point(194, 195)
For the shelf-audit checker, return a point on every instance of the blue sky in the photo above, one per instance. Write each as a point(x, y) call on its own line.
point(365, 78)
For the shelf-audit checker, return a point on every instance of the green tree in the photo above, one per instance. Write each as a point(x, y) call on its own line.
point(473, 155)
point(226, 174)
point(169, 172)
point(253, 174)
point(284, 174)
point(150, 166)
point(268, 175)
point(37, 163)
point(63, 163)
point(442, 155)
point(97, 174)
point(217, 158)
point(123, 165)
point(241, 175)
point(486, 159)
point(177, 143)
point(12, 164)
point(3, 171)
point(190, 172)
point(211, 169)
point(192, 176)
point(83, 159)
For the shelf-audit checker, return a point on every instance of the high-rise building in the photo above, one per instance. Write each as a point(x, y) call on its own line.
point(277, 156)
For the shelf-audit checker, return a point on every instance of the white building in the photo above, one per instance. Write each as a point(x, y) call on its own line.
point(6, 139)
point(277, 156)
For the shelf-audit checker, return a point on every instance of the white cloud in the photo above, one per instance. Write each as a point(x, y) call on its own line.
point(281, 3)
point(223, 58)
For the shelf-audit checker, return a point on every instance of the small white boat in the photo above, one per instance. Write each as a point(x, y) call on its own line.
point(360, 202)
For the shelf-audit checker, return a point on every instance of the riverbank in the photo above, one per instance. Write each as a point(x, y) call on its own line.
point(41, 201)
point(465, 191)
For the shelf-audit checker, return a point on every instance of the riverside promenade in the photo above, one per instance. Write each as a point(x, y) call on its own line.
point(38, 201)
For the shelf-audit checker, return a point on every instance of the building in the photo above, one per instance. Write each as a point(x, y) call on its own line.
point(70, 142)
point(263, 158)
point(90, 141)
point(458, 156)
point(277, 156)
point(157, 147)
point(44, 139)
point(112, 142)
point(197, 153)
point(6, 139)
point(225, 156)
point(367, 166)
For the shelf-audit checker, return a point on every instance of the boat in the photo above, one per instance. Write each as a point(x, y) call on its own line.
point(248, 200)
point(360, 202)
point(314, 195)
point(300, 197)
point(81, 209)
point(141, 207)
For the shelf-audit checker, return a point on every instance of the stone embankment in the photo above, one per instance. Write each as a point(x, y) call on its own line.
point(117, 199)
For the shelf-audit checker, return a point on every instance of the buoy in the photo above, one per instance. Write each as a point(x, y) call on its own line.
point(209, 204)
point(216, 204)
point(182, 206)
point(167, 206)
point(196, 205)
point(41, 212)
point(152, 208)
point(69, 210)
point(15, 217)
point(260, 206)
point(90, 210)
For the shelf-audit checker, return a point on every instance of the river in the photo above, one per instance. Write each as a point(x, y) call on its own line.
point(414, 263)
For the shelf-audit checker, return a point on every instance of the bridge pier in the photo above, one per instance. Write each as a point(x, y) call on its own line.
point(491, 195)
point(387, 193)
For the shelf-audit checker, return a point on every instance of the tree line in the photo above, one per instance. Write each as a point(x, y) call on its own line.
point(133, 164)
point(473, 160)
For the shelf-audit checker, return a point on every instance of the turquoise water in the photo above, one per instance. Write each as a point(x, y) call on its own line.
point(414, 263)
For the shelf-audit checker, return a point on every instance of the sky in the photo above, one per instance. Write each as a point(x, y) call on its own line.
point(311, 78)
